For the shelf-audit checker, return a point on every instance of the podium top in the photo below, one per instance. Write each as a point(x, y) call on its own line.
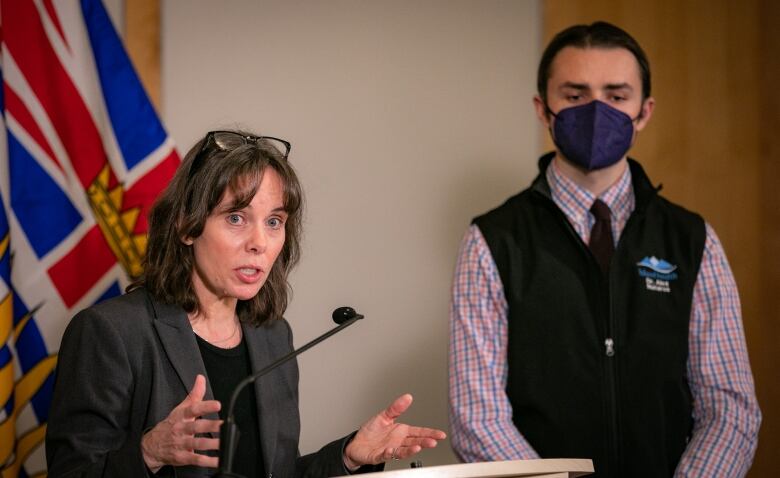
point(558, 467)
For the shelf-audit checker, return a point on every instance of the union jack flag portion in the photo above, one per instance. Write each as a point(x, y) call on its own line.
point(82, 159)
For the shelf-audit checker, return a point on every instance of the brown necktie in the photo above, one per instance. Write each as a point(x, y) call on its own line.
point(601, 244)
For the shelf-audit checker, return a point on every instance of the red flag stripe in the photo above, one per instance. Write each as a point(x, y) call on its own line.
point(77, 272)
point(30, 47)
point(55, 20)
point(17, 109)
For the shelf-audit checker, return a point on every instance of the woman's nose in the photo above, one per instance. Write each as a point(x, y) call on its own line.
point(258, 240)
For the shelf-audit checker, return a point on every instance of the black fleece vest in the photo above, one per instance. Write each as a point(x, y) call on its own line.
point(597, 365)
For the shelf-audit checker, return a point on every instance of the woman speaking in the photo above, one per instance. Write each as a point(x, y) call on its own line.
point(142, 378)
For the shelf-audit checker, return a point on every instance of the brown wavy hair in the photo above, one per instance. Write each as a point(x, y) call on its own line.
point(188, 200)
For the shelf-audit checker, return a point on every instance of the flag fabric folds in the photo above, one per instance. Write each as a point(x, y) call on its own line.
point(82, 157)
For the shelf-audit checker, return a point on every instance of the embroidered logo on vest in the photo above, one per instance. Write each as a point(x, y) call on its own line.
point(658, 273)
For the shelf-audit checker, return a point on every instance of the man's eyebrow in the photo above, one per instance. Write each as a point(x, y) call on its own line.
point(576, 86)
point(619, 86)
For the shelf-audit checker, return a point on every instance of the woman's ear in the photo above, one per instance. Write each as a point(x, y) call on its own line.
point(185, 239)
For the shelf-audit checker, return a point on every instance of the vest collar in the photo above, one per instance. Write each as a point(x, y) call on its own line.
point(644, 191)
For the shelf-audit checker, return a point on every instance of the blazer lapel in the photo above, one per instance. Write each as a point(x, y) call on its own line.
point(257, 341)
point(180, 346)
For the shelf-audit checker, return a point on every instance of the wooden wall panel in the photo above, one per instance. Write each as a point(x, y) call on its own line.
point(769, 154)
point(142, 38)
point(713, 144)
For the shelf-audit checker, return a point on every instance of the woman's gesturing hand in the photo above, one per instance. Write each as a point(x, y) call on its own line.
point(173, 440)
point(381, 438)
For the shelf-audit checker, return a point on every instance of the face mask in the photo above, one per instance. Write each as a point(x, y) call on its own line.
point(594, 135)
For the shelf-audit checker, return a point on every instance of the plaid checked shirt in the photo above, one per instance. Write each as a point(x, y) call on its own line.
point(725, 410)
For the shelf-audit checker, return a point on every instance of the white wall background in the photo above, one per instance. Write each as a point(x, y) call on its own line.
point(407, 118)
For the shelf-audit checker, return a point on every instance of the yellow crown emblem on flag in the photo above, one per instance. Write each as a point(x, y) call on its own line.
point(117, 225)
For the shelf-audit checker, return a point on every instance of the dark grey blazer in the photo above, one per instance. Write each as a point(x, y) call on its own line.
point(126, 363)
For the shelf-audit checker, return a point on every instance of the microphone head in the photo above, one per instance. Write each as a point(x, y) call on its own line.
point(343, 314)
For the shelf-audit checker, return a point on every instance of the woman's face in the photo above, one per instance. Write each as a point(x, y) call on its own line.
point(238, 247)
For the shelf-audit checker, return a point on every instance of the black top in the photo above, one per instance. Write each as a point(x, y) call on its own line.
point(225, 369)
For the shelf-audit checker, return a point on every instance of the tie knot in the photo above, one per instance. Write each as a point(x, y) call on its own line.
point(600, 210)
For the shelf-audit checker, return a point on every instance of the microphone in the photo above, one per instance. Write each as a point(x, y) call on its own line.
point(228, 432)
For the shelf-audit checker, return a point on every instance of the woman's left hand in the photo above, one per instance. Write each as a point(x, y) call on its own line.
point(381, 438)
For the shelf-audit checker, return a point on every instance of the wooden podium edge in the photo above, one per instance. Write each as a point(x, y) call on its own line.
point(497, 469)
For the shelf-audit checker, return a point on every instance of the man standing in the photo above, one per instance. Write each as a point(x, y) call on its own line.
point(591, 317)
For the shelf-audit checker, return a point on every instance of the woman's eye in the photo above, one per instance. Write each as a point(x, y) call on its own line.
point(235, 219)
point(275, 222)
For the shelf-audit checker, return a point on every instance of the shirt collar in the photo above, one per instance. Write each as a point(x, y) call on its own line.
point(576, 201)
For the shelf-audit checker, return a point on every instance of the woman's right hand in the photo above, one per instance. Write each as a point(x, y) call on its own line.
point(173, 440)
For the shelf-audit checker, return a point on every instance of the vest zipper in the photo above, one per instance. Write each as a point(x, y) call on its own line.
point(609, 344)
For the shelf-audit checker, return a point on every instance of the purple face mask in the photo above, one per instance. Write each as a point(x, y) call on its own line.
point(594, 135)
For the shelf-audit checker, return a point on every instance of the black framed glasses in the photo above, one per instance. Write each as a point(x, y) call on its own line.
point(230, 140)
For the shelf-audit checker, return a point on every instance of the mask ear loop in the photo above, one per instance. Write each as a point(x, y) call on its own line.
point(641, 112)
point(634, 120)
point(548, 111)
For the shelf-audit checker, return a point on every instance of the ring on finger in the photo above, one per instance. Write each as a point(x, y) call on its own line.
point(393, 455)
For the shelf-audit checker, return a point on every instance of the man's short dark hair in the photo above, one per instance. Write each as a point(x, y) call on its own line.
point(600, 35)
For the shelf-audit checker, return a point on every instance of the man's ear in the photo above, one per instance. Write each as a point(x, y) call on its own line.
point(647, 112)
point(541, 111)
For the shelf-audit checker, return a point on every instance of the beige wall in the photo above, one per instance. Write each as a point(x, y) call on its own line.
point(407, 118)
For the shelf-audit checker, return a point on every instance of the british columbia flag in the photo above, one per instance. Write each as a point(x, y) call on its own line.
point(82, 157)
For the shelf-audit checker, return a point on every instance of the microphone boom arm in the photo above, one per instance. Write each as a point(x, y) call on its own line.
point(229, 431)
point(284, 359)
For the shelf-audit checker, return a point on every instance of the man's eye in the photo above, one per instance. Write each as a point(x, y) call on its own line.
point(618, 99)
point(574, 97)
